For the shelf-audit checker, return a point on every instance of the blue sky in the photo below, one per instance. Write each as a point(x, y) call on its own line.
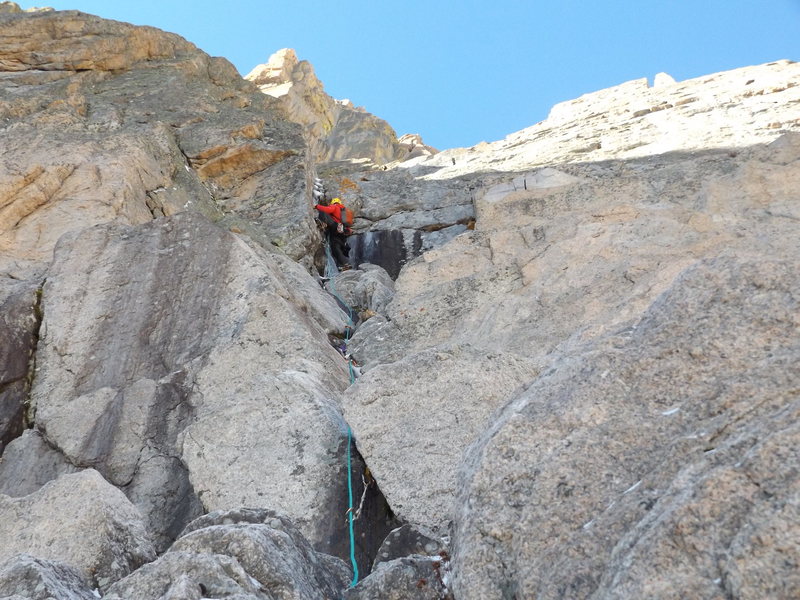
point(462, 72)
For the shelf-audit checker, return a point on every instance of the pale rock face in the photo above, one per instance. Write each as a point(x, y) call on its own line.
point(335, 130)
point(732, 109)
point(582, 247)
point(80, 519)
point(659, 461)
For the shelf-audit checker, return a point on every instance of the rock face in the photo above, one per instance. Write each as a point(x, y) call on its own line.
point(142, 356)
point(336, 130)
point(425, 201)
point(660, 458)
point(146, 125)
point(577, 347)
point(80, 519)
point(732, 109)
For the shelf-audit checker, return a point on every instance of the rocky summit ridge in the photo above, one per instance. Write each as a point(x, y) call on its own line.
point(568, 365)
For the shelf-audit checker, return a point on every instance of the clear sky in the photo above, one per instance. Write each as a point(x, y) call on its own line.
point(459, 72)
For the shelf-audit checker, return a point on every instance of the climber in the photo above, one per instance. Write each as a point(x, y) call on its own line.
point(335, 217)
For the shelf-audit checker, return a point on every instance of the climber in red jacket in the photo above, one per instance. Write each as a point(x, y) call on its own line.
point(337, 231)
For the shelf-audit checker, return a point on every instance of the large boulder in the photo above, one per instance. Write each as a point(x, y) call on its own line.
point(106, 121)
point(31, 578)
point(413, 420)
point(185, 369)
point(246, 553)
point(79, 519)
point(29, 463)
point(656, 462)
point(366, 289)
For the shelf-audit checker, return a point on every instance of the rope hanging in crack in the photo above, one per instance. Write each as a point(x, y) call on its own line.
point(331, 270)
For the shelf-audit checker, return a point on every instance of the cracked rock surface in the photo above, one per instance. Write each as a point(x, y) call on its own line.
point(139, 359)
point(146, 125)
point(19, 329)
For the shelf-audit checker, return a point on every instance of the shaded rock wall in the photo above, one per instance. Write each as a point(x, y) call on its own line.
point(20, 319)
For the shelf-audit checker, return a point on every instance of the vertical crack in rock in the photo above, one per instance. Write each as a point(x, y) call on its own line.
point(38, 313)
point(20, 321)
point(374, 518)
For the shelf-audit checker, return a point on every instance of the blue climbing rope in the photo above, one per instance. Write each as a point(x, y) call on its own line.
point(331, 270)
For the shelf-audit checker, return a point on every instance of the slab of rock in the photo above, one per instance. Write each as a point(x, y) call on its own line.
point(250, 553)
point(19, 329)
point(79, 519)
point(25, 576)
point(657, 462)
point(414, 419)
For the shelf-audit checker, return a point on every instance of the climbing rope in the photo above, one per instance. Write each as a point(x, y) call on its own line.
point(331, 270)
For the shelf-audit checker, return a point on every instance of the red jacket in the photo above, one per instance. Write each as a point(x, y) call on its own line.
point(334, 210)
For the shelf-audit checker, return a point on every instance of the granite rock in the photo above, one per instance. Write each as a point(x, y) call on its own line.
point(244, 553)
point(79, 519)
point(159, 367)
point(652, 462)
point(24, 576)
